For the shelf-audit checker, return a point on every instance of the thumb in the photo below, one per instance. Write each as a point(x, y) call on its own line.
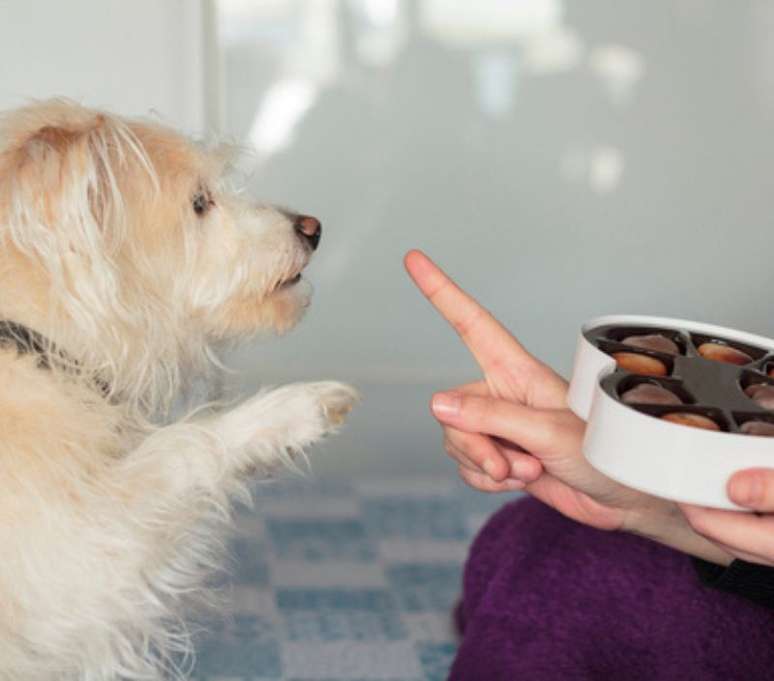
point(753, 488)
point(530, 428)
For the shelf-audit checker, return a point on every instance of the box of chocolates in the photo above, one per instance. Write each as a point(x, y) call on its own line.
point(674, 408)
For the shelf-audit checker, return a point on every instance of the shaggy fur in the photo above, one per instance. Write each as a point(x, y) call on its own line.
point(120, 245)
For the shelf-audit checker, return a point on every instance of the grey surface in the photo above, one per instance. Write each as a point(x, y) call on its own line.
point(562, 160)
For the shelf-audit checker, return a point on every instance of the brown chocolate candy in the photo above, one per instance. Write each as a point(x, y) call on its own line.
point(685, 418)
point(653, 341)
point(649, 393)
point(763, 428)
point(640, 364)
point(720, 352)
point(762, 394)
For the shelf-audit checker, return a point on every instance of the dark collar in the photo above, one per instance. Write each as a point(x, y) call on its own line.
point(26, 341)
point(29, 342)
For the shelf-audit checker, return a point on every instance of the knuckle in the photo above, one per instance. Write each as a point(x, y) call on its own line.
point(699, 524)
point(554, 425)
point(455, 438)
point(465, 474)
point(767, 485)
point(463, 325)
point(546, 428)
point(449, 449)
point(470, 478)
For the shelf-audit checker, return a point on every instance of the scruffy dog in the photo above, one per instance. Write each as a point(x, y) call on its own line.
point(124, 265)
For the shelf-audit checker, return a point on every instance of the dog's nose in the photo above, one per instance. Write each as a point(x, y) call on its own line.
point(309, 229)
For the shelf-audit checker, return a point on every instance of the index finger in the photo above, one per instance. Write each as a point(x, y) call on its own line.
point(489, 341)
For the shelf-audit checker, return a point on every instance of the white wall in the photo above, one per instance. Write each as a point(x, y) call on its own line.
point(561, 159)
point(130, 56)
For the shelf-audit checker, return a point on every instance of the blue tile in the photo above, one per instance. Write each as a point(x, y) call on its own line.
point(367, 600)
point(436, 659)
point(250, 647)
point(320, 540)
point(340, 615)
point(244, 647)
point(329, 626)
point(247, 562)
point(425, 587)
point(439, 518)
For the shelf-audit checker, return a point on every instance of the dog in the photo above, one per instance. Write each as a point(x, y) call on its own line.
point(126, 266)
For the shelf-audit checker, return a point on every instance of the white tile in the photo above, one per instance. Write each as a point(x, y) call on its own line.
point(294, 573)
point(348, 660)
point(424, 550)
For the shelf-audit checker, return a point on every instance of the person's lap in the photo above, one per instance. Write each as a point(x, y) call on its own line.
point(547, 598)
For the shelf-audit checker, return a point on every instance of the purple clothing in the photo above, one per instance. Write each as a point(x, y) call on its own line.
point(547, 599)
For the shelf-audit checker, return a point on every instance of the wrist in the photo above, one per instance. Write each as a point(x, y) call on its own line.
point(663, 522)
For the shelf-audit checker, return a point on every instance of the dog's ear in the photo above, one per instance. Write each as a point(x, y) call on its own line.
point(64, 180)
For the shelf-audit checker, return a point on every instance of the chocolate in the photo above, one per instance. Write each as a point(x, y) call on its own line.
point(653, 341)
point(762, 394)
point(643, 365)
point(762, 428)
point(690, 419)
point(719, 352)
point(650, 393)
point(663, 373)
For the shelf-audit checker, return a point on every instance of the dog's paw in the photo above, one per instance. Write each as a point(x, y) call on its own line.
point(289, 417)
point(335, 401)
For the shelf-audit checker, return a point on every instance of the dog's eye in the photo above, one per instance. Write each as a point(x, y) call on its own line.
point(201, 203)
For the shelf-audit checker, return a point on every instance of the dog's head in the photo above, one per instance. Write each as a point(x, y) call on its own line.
point(121, 239)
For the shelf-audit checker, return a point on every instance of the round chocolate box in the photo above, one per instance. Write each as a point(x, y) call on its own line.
point(673, 407)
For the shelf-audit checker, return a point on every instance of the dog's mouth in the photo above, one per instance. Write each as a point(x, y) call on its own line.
point(287, 283)
point(292, 281)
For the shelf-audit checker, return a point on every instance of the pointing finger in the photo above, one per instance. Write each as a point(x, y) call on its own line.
point(489, 341)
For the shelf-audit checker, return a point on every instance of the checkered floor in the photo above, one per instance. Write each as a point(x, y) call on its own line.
point(344, 582)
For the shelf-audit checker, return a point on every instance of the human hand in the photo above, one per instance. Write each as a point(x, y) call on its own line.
point(513, 430)
point(749, 536)
point(510, 372)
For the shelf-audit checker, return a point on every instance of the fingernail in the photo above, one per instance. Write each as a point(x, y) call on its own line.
point(746, 490)
point(446, 404)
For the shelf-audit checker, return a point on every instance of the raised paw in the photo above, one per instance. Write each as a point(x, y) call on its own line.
point(335, 399)
point(290, 417)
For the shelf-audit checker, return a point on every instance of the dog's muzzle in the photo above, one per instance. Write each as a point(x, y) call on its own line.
point(309, 230)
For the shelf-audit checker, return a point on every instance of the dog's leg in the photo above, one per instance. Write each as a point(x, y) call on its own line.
point(259, 435)
point(143, 523)
point(178, 484)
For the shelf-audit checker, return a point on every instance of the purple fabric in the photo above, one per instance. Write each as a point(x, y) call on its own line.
point(547, 599)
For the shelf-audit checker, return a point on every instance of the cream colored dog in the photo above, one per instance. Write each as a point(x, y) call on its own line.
point(124, 263)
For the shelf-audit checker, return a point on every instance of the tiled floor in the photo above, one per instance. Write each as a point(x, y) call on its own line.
point(344, 582)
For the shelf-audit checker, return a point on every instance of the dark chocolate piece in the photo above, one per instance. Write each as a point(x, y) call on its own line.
point(763, 428)
point(719, 352)
point(762, 394)
point(649, 393)
point(685, 418)
point(653, 341)
point(640, 364)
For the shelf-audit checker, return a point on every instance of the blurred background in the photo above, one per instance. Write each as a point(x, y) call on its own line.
point(561, 160)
